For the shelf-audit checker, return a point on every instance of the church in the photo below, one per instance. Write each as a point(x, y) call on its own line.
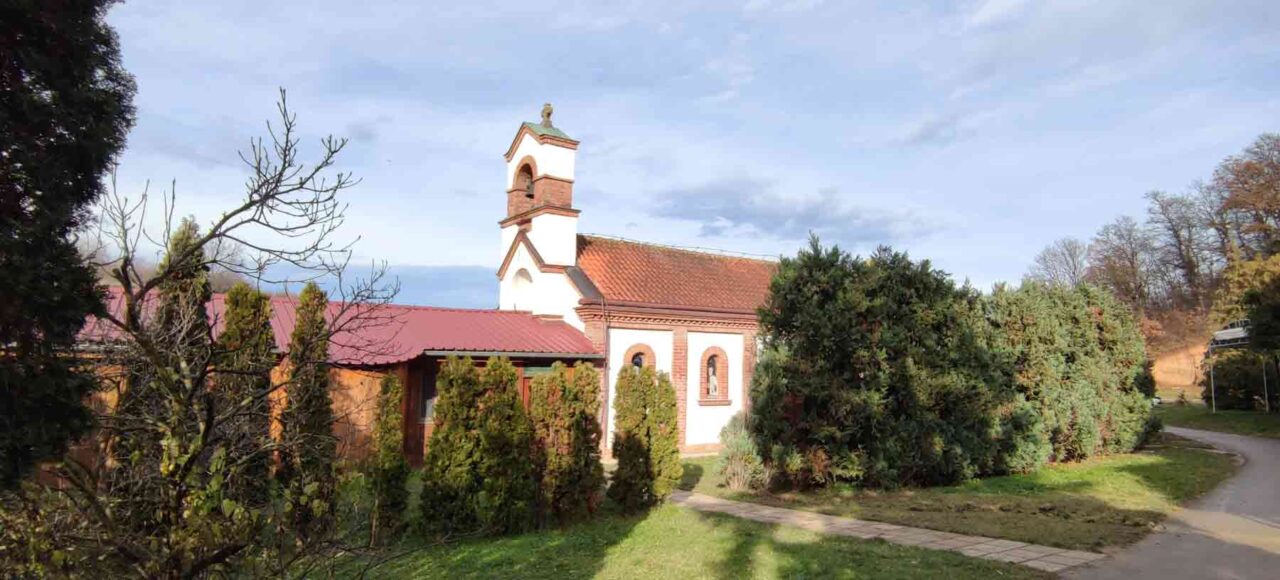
point(690, 314)
point(563, 297)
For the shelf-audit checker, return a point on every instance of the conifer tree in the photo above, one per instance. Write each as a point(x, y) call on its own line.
point(645, 439)
point(180, 332)
point(390, 469)
point(449, 481)
point(246, 356)
point(508, 491)
point(64, 114)
point(309, 447)
point(564, 406)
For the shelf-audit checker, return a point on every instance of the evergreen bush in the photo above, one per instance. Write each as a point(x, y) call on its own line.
point(244, 360)
point(564, 406)
point(309, 448)
point(1237, 376)
point(645, 439)
point(739, 464)
point(478, 475)
point(874, 373)
point(390, 472)
point(1079, 359)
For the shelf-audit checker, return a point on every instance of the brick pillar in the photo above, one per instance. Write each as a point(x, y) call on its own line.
point(748, 367)
point(680, 376)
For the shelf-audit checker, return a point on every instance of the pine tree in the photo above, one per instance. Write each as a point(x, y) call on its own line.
point(309, 447)
point(66, 109)
point(390, 469)
point(564, 406)
point(246, 356)
point(645, 439)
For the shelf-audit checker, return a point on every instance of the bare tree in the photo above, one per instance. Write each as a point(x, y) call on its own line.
point(151, 500)
point(1180, 245)
point(1120, 259)
point(1064, 262)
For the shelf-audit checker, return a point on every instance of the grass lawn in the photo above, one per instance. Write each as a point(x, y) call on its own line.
point(1109, 501)
point(1239, 422)
point(673, 542)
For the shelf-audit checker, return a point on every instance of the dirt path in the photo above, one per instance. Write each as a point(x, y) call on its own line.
point(1234, 532)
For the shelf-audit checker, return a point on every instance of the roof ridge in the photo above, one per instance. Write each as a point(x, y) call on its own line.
point(713, 252)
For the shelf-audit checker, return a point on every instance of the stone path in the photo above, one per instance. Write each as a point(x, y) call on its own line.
point(1038, 557)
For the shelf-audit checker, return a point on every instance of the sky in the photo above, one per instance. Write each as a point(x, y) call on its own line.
point(968, 133)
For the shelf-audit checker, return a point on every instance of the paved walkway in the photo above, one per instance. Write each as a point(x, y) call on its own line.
point(1233, 532)
point(1039, 557)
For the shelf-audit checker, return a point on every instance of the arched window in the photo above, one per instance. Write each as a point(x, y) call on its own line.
point(521, 286)
point(639, 355)
point(714, 374)
point(713, 381)
point(525, 180)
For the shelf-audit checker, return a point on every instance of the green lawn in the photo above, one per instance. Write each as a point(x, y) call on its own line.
point(1110, 501)
point(1240, 422)
point(674, 542)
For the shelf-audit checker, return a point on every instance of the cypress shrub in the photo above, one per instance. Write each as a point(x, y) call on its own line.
point(564, 406)
point(478, 475)
point(645, 439)
point(245, 357)
point(508, 490)
point(449, 482)
point(390, 469)
point(874, 372)
point(1080, 363)
point(309, 447)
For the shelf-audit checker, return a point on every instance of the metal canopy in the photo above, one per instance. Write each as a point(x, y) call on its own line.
point(1234, 335)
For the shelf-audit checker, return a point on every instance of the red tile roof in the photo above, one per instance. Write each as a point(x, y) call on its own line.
point(379, 335)
point(626, 271)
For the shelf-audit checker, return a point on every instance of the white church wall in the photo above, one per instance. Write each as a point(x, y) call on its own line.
point(556, 238)
point(620, 340)
point(545, 293)
point(552, 160)
point(703, 423)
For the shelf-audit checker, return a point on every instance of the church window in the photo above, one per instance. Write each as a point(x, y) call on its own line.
point(526, 181)
point(639, 355)
point(714, 377)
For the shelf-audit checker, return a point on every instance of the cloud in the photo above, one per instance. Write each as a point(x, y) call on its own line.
point(993, 11)
point(939, 130)
point(744, 207)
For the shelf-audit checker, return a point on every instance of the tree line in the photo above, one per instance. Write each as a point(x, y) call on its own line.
point(1174, 267)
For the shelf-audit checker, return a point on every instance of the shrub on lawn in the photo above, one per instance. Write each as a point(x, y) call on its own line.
point(739, 465)
point(1237, 375)
point(478, 474)
point(564, 407)
point(390, 472)
point(1080, 361)
point(874, 373)
point(645, 439)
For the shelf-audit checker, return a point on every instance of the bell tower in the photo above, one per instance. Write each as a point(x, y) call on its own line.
point(540, 230)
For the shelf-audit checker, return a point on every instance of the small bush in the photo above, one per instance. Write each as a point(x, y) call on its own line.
point(564, 407)
point(740, 466)
point(645, 439)
point(1237, 375)
point(390, 472)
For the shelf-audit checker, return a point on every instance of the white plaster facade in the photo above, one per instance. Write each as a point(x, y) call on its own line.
point(620, 339)
point(703, 423)
point(552, 159)
point(546, 293)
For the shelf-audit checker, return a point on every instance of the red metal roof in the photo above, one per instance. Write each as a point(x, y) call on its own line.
point(385, 334)
point(625, 271)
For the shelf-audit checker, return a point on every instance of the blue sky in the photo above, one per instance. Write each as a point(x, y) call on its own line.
point(970, 133)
